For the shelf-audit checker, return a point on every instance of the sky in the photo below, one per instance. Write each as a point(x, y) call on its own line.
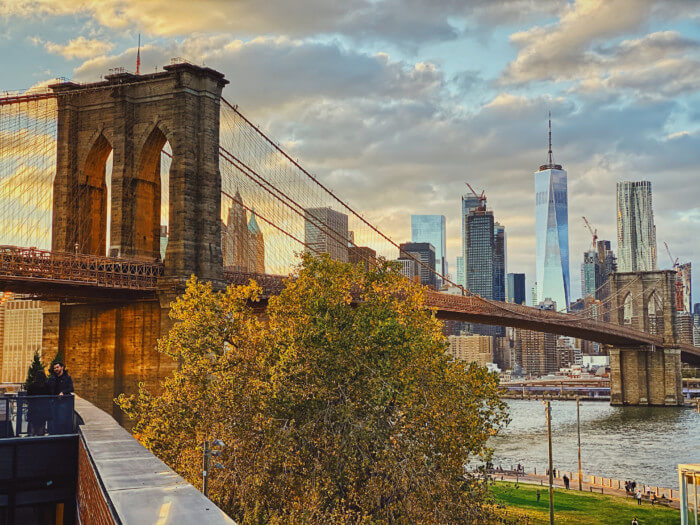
point(396, 104)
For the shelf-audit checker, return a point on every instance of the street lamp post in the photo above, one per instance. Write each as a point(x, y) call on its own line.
point(578, 431)
point(209, 451)
point(548, 411)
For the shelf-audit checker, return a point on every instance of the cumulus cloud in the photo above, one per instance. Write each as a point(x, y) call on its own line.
point(388, 20)
point(574, 48)
point(80, 47)
point(276, 71)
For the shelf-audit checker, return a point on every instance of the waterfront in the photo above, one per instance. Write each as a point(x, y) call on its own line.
point(641, 443)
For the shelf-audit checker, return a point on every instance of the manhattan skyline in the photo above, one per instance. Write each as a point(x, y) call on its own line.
point(414, 102)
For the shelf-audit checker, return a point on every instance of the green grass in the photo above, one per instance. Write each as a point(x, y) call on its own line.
point(573, 506)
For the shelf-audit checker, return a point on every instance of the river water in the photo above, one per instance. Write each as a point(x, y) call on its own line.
point(641, 443)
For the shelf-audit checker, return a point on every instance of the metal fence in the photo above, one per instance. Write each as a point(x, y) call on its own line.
point(25, 415)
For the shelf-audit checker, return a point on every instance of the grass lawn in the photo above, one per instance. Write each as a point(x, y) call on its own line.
point(572, 506)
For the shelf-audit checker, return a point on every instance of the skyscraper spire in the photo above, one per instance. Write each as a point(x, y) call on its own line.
point(138, 56)
point(550, 138)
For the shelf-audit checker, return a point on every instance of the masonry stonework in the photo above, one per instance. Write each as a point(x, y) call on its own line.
point(646, 375)
point(110, 347)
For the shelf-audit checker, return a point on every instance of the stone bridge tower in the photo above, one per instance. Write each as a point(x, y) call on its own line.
point(109, 346)
point(646, 375)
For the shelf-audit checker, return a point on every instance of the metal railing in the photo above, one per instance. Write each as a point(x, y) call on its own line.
point(18, 263)
point(28, 415)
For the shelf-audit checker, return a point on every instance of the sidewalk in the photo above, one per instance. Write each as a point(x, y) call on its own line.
point(538, 479)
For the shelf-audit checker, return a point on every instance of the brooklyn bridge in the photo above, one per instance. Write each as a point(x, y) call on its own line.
point(113, 193)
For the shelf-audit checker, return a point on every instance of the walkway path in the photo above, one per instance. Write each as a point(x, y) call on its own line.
point(539, 479)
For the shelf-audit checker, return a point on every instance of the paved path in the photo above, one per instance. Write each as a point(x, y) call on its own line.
point(538, 479)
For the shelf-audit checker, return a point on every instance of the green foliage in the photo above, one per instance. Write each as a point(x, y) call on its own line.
point(35, 367)
point(58, 358)
point(337, 405)
point(572, 506)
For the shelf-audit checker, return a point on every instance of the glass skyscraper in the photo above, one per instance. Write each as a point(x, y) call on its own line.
point(552, 233)
point(636, 233)
point(516, 288)
point(469, 202)
point(431, 229)
point(499, 262)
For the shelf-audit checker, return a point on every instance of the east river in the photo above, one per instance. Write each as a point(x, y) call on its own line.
point(640, 443)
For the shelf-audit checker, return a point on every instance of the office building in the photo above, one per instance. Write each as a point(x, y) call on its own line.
point(485, 261)
point(256, 246)
point(684, 273)
point(471, 348)
point(242, 242)
point(363, 255)
point(636, 233)
point(469, 202)
point(431, 229)
point(326, 231)
point(425, 253)
point(21, 322)
point(460, 271)
point(499, 262)
point(591, 273)
point(515, 292)
point(536, 351)
point(684, 327)
point(409, 268)
point(552, 232)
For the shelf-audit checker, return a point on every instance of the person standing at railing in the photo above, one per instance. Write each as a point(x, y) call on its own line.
point(39, 409)
point(61, 385)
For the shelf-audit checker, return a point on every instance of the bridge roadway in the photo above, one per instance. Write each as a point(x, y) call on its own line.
point(77, 277)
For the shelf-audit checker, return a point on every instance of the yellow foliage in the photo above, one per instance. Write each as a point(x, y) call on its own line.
point(338, 406)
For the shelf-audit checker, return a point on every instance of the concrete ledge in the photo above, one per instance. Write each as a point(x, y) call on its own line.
point(139, 487)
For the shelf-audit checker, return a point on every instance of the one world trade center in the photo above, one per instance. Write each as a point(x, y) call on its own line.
point(552, 232)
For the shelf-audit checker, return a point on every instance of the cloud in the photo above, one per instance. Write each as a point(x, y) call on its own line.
point(570, 49)
point(273, 72)
point(80, 47)
point(405, 21)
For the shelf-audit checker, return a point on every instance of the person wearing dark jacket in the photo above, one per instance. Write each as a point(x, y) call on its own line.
point(60, 382)
point(39, 409)
point(61, 385)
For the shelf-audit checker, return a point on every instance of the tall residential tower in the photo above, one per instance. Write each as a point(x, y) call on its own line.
point(636, 233)
point(552, 232)
point(431, 229)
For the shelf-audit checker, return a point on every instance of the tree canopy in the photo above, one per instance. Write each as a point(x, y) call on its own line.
point(337, 404)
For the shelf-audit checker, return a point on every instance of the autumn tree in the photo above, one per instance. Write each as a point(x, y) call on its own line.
point(337, 404)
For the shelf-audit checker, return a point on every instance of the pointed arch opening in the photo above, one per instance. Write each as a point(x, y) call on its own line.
point(149, 191)
point(627, 310)
point(90, 234)
point(655, 314)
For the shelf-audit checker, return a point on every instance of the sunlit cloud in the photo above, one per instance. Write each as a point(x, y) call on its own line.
point(79, 47)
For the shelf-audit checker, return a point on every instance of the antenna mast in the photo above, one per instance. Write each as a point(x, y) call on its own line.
point(138, 57)
point(550, 138)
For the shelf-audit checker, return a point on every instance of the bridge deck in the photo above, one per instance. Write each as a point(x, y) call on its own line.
point(66, 276)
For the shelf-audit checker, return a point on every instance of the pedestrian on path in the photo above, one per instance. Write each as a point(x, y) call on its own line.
point(566, 481)
point(638, 495)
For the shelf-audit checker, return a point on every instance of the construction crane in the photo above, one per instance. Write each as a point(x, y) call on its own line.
point(674, 262)
point(594, 233)
point(679, 278)
point(482, 197)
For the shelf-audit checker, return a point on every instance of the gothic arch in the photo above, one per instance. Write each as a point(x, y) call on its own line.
point(91, 199)
point(654, 308)
point(145, 191)
point(627, 310)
